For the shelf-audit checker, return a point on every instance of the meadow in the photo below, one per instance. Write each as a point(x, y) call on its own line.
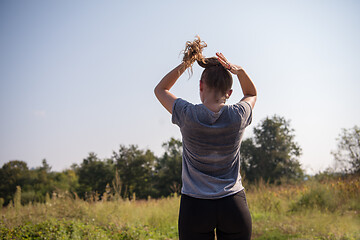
point(315, 209)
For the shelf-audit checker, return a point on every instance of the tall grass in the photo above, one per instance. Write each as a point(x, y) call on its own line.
point(131, 219)
point(312, 210)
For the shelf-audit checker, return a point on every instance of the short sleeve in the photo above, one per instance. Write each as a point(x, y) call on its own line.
point(179, 111)
point(245, 112)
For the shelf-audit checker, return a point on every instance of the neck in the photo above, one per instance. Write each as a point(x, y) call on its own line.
point(214, 102)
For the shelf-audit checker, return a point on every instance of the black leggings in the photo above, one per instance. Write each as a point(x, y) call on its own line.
point(229, 215)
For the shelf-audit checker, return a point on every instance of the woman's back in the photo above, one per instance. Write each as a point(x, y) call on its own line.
point(211, 147)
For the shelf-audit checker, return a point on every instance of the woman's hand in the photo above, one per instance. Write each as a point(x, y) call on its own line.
point(234, 69)
point(247, 86)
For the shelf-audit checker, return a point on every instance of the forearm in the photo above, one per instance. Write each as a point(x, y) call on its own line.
point(165, 97)
point(170, 79)
point(247, 85)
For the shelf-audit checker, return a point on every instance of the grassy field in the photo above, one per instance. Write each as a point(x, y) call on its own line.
point(313, 210)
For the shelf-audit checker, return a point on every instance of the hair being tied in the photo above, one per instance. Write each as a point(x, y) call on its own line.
point(193, 52)
point(214, 75)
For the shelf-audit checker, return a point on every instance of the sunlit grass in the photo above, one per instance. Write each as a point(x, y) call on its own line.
point(313, 210)
point(139, 219)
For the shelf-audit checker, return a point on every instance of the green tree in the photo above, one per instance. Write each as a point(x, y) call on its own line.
point(40, 181)
point(135, 168)
point(12, 174)
point(347, 154)
point(94, 174)
point(272, 154)
point(168, 169)
point(66, 180)
point(34, 183)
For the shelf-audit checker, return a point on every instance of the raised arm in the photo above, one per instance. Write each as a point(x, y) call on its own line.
point(247, 86)
point(165, 97)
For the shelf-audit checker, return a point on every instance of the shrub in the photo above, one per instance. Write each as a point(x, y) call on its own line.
point(61, 229)
point(317, 197)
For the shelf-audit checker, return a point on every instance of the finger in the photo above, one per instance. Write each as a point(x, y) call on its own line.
point(221, 58)
point(220, 55)
point(225, 64)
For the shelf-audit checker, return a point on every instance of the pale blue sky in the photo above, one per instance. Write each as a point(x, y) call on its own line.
point(78, 76)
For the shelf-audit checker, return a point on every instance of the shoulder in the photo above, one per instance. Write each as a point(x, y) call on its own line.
point(242, 111)
point(181, 104)
point(180, 109)
point(241, 107)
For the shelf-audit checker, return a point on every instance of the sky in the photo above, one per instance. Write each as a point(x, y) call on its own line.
point(78, 76)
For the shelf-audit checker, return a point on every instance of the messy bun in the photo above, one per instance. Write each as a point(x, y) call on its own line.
point(215, 75)
point(193, 52)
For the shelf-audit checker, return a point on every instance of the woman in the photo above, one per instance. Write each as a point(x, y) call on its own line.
point(212, 194)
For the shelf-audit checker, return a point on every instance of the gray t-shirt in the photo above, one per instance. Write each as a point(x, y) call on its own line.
point(211, 147)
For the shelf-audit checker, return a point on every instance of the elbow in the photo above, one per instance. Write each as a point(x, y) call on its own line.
point(252, 93)
point(156, 90)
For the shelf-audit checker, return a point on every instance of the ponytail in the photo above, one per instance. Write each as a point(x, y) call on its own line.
point(193, 52)
point(214, 75)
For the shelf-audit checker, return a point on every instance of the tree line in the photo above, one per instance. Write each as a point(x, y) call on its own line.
point(130, 172)
point(272, 154)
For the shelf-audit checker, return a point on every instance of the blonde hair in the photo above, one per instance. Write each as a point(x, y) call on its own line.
point(214, 75)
